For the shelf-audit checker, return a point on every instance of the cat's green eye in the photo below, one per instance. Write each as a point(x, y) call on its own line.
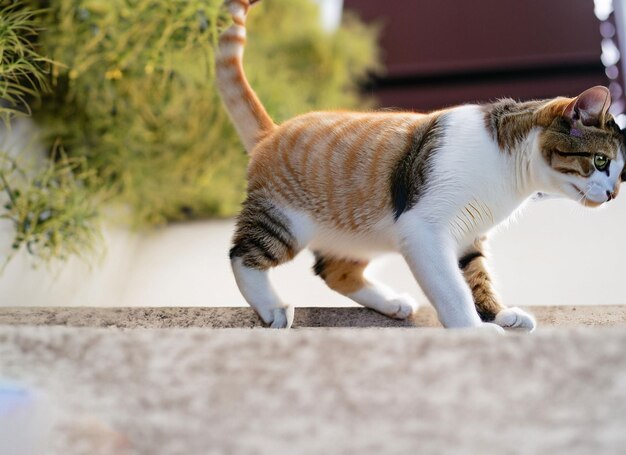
point(601, 162)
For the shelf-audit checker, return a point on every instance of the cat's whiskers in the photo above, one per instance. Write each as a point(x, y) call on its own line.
point(578, 207)
point(584, 196)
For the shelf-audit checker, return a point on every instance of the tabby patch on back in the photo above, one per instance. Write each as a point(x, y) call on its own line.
point(353, 185)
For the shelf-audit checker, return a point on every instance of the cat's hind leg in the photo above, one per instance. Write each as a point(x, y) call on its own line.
point(346, 277)
point(264, 238)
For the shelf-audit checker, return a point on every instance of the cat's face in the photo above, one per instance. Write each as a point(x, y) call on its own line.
point(584, 150)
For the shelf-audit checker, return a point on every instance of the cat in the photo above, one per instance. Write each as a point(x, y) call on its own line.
point(353, 185)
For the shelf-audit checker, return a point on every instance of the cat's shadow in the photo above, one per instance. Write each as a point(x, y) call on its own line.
point(310, 317)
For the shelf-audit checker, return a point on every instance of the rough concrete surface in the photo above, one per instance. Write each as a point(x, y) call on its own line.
point(160, 317)
point(312, 391)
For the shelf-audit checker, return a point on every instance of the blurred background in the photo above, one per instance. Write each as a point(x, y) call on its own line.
point(120, 172)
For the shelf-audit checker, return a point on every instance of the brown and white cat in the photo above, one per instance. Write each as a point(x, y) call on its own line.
point(352, 185)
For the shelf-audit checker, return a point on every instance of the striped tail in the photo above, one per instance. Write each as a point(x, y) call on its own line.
point(249, 116)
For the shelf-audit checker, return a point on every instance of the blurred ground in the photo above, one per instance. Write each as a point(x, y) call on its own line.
point(557, 253)
point(310, 391)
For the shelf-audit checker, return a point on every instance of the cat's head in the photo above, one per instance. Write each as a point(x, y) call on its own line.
point(583, 148)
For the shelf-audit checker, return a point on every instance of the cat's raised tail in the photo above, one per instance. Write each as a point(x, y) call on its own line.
point(249, 116)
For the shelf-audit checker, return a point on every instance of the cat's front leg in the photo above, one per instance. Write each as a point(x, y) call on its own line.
point(429, 250)
point(474, 267)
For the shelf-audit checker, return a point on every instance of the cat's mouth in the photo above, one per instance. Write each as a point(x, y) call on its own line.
point(583, 198)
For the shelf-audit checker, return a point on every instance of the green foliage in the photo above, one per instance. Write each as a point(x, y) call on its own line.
point(136, 96)
point(296, 67)
point(51, 210)
point(52, 213)
point(133, 104)
point(23, 71)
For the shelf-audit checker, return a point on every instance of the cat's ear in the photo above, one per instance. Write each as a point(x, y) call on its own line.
point(589, 107)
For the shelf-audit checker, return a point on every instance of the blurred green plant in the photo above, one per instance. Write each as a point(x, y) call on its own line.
point(124, 92)
point(136, 97)
point(296, 67)
point(51, 210)
point(48, 206)
point(23, 71)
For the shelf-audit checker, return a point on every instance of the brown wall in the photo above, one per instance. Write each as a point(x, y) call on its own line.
point(444, 52)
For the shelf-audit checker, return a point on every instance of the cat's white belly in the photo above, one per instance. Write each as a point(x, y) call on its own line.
point(366, 245)
point(378, 239)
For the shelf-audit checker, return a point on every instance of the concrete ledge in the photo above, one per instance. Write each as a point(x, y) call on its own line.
point(159, 317)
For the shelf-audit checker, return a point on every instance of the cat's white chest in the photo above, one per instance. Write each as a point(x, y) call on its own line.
point(473, 182)
point(479, 214)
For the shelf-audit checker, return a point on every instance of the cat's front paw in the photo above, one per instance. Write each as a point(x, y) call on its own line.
point(402, 306)
point(282, 317)
point(516, 318)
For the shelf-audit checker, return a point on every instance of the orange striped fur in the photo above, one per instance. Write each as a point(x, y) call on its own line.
point(247, 113)
point(333, 164)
